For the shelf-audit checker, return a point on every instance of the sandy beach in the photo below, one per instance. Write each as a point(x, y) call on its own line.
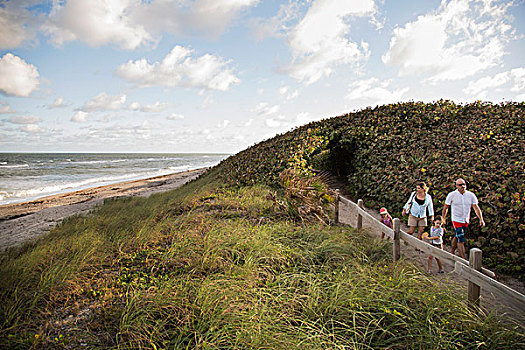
point(21, 222)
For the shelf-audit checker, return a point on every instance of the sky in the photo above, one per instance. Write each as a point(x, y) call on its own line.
point(217, 76)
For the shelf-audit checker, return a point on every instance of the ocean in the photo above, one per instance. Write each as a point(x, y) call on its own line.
point(29, 176)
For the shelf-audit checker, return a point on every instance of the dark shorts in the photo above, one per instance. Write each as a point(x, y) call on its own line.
point(460, 229)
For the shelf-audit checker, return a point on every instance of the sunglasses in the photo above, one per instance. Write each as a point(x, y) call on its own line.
point(461, 185)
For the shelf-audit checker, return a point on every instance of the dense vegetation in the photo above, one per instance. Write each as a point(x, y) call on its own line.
point(245, 256)
point(215, 267)
point(383, 151)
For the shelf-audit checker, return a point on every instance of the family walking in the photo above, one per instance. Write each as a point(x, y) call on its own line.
point(420, 211)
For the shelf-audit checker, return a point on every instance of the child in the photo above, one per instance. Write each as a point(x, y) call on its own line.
point(436, 237)
point(385, 219)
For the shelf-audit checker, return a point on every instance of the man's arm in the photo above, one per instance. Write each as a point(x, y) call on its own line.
point(444, 213)
point(479, 214)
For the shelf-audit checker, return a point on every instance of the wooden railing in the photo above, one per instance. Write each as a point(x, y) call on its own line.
point(477, 276)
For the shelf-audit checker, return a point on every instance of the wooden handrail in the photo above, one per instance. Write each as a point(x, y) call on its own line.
point(478, 279)
point(413, 241)
point(513, 298)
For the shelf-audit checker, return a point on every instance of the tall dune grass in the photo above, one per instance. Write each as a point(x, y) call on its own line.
point(214, 267)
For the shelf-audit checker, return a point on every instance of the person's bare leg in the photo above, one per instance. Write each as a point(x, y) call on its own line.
point(439, 264)
point(420, 231)
point(411, 230)
point(461, 250)
point(454, 245)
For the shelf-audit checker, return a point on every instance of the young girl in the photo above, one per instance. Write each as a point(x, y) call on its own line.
point(385, 219)
point(436, 237)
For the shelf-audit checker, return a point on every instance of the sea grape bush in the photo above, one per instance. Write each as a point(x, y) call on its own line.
point(263, 162)
point(397, 145)
point(383, 151)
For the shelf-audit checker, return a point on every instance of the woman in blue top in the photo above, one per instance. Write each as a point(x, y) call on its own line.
point(416, 208)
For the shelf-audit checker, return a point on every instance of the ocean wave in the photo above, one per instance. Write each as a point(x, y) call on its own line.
point(105, 161)
point(14, 166)
point(71, 186)
point(43, 191)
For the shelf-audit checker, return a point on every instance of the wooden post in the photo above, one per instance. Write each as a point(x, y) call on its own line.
point(396, 250)
point(361, 205)
point(336, 215)
point(473, 289)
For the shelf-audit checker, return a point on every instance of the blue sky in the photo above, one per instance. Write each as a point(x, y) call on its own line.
point(221, 75)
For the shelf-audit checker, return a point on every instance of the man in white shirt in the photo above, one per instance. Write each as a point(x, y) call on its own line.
point(461, 201)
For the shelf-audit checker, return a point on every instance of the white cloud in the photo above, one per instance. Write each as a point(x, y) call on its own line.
point(460, 39)
point(293, 95)
point(272, 123)
point(17, 23)
point(249, 122)
point(264, 109)
point(208, 17)
point(80, 117)
point(319, 42)
point(32, 129)
point(17, 77)
point(135, 106)
point(518, 75)
point(154, 108)
point(175, 116)
point(5, 108)
point(178, 68)
point(104, 102)
point(58, 103)
point(223, 124)
point(97, 22)
point(371, 92)
point(479, 88)
point(283, 90)
point(108, 117)
point(276, 26)
point(147, 125)
point(239, 137)
point(304, 118)
point(24, 119)
point(134, 23)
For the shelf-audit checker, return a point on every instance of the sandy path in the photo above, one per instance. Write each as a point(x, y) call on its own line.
point(489, 301)
point(26, 221)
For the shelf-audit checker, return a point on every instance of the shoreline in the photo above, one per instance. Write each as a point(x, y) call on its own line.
point(20, 222)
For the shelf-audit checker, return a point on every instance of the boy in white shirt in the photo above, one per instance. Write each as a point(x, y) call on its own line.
point(461, 201)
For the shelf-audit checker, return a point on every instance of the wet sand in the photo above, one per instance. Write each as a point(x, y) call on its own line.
point(26, 221)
